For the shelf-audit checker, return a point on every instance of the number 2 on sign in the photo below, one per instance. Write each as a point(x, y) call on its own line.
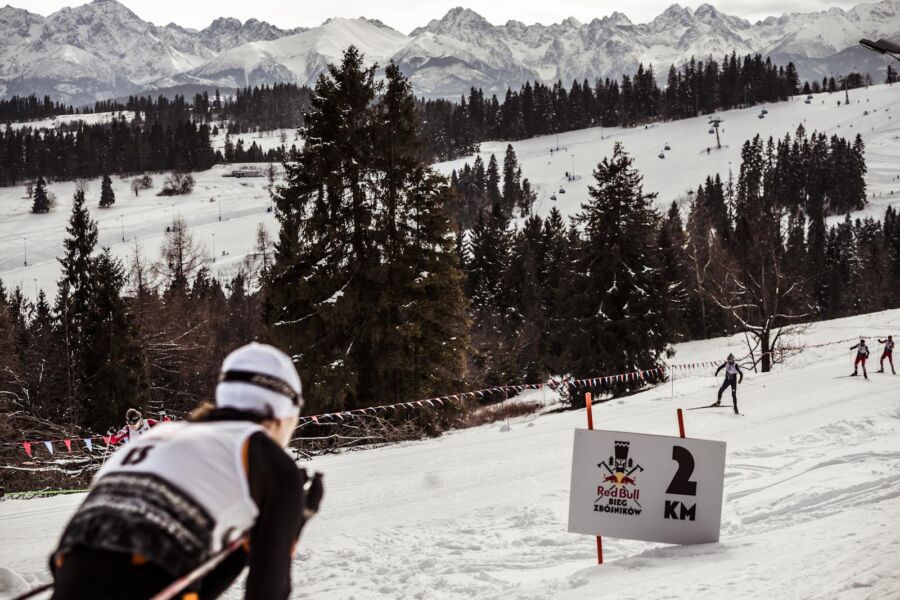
point(681, 483)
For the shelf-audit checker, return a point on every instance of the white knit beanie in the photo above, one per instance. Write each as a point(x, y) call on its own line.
point(261, 379)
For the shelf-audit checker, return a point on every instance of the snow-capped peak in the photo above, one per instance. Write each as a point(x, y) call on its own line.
point(103, 49)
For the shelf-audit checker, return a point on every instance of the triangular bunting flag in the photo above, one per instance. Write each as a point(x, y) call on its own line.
point(68, 444)
point(315, 419)
point(27, 446)
point(89, 444)
point(107, 439)
point(49, 446)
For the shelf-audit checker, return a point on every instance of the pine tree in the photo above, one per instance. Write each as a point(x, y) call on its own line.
point(110, 357)
point(621, 296)
point(75, 291)
point(792, 80)
point(673, 268)
point(492, 183)
point(511, 181)
point(75, 287)
point(526, 325)
point(229, 149)
point(107, 196)
point(487, 263)
point(345, 286)
point(527, 197)
point(41, 202)
point(557, 250)
point(45, 366)
point(434, 327)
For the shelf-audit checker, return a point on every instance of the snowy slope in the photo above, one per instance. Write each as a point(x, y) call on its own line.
point(811, 499)
point(687, 164)
point(244, 201)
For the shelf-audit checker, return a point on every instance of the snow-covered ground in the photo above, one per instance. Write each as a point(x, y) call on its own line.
point(267, 140)
point(243, 204)
point(687, 164)
point(811, 500)
point(89, 118)
point(244, 201)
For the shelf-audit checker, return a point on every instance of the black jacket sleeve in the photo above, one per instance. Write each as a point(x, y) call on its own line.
point(276, 486)
point(720, 368)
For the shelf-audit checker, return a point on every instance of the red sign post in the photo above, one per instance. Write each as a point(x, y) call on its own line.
point(590, 417)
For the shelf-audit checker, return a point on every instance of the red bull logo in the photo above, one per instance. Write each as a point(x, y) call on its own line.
point(618, 492)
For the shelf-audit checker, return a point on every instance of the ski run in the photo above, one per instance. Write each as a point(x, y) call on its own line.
point(811, 500)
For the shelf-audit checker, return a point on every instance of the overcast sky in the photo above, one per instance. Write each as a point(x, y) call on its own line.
point(406, 15)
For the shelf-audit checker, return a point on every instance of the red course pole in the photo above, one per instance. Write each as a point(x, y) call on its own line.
point(590, 419)
point(680, 423)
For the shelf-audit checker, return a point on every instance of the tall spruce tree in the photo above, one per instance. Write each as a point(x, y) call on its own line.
point(488, 256)
point(344, 277)
point(74, 295)
point(107, 196)
point(621, 297)
point(673, 265)
point(40, 200)
point(110, 357)
point(511, 181)
point(492, 183)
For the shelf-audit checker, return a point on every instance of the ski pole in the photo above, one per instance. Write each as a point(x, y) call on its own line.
point(182, 582)
point(313, 490)
point(34, 592)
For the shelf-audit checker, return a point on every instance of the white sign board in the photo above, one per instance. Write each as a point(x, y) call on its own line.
point(646, 487)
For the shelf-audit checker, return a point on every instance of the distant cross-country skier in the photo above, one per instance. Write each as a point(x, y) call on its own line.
point(862, 353)
point(135, 426)
point(887, 354)
point(172, 500)
point(732, 370)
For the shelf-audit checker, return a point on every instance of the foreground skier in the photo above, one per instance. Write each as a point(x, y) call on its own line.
point(732, 370)
point(162, 505)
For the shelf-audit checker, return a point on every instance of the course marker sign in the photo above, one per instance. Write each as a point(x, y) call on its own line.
point(646, 487)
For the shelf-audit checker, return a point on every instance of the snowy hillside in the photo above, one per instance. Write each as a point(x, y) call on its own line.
point(811, 499)
point(243, 202)
point(102, 49)
point(687, 164)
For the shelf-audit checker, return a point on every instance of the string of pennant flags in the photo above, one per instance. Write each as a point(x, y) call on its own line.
point(340, 416)
point(67, 442)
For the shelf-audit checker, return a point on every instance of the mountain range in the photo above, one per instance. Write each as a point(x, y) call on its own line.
point(102, 49)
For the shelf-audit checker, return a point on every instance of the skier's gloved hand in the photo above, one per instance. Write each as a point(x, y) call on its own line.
point(314, 490)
